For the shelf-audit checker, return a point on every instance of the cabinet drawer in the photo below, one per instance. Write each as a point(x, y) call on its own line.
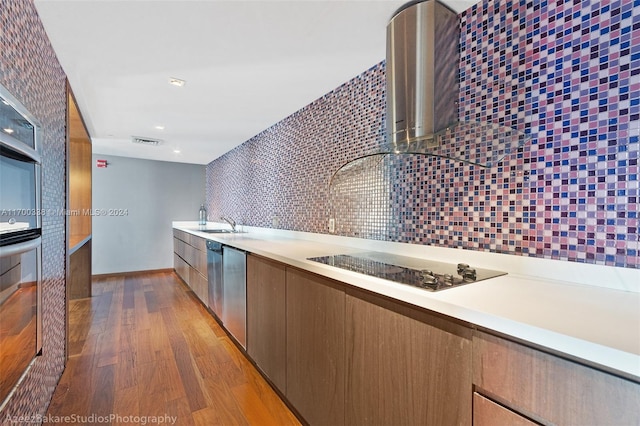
point(548, 388)
point(181, 235)
point(199, 285)
point(178, 247)
point(200, 262)
point(190, 254)
point(181, 267)
point(488, 413)
point(198, 242)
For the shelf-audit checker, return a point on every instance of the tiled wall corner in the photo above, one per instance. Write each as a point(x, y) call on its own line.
point(30, 70)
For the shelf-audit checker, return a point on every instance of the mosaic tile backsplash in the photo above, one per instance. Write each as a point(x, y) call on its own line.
point(30, 70)
point(565, 72)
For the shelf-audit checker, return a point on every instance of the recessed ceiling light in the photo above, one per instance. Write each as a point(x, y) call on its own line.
point(176, 82)
point(160, 127)
point(176, 151)
point(7, 130)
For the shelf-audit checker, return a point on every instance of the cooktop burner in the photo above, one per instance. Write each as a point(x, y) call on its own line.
point(426, 274)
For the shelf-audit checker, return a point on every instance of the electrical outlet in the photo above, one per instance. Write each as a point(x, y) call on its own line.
point(332, 225)
point(275, 222)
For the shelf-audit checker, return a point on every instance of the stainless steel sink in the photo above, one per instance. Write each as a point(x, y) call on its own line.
point(216, 231)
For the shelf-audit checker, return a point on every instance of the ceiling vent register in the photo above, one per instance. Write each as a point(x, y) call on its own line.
point(145, 141)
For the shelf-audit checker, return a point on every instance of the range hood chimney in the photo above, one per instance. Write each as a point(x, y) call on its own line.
point(422, 71)
point(423, 91)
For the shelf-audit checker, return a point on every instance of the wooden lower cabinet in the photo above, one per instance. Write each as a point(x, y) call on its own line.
point(190, 263)
point(405, 366)
point(315, 347)
point(550, 389)
point(489, 413)
point(200, 285)
point(266, 318)
point(344, 356)
point(181, 267)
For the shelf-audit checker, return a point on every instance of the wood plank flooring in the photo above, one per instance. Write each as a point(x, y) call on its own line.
point(144, 346)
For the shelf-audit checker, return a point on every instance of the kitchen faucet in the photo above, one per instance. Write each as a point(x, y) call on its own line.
point(230, 222)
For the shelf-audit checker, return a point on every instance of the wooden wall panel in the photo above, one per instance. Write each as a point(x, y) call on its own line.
point(79, 171)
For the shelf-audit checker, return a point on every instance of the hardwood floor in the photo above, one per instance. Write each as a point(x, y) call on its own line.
point(144, 346)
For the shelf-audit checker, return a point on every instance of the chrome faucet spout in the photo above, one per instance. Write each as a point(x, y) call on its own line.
point(230, 222)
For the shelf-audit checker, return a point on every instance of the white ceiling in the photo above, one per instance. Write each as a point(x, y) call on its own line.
point(247, 65)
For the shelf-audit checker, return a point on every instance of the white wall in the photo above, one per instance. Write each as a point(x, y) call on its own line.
point(149, 195)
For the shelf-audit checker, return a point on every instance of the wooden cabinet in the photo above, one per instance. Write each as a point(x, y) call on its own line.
point(345, 356)
point(405, 366)
point(550, 389)
point(488, 413)
point(181, 267)
point(190, 262)
point(266, 318)
point(199, 284)
point(315, 309)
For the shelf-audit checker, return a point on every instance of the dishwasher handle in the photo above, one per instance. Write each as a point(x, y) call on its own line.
point(214, 246)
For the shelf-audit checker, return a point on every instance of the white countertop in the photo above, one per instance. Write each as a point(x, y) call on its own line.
point(585, 311)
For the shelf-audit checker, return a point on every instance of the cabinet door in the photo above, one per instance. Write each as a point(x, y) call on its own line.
point(198, 242)
point(315, 347)
point(266, 319)
point(199, 254)
point(189, 254)
point(549, 389)
point(488, 413)
point(178, 247)
point(405, 366)
point(199, 285)
point(181, 267)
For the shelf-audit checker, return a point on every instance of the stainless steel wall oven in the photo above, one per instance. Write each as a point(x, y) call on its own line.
point(20, 242)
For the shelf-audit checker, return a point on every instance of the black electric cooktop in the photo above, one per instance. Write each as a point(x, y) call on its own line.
point(421, 273)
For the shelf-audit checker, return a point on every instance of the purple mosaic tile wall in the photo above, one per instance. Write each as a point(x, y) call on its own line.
point(281, 176)
point(566, 72)
point(30, 70)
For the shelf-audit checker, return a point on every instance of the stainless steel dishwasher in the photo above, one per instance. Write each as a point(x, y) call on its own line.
point(214, 270)
point(234, 308)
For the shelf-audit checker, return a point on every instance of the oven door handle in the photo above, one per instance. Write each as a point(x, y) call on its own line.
point(19, 248)
point(22, 149)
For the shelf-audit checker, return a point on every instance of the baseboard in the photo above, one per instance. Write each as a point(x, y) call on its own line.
point(131, 273)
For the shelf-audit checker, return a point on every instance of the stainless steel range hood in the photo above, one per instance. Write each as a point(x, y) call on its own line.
point(423, 91)
point(422, 71)
point(422, 97)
